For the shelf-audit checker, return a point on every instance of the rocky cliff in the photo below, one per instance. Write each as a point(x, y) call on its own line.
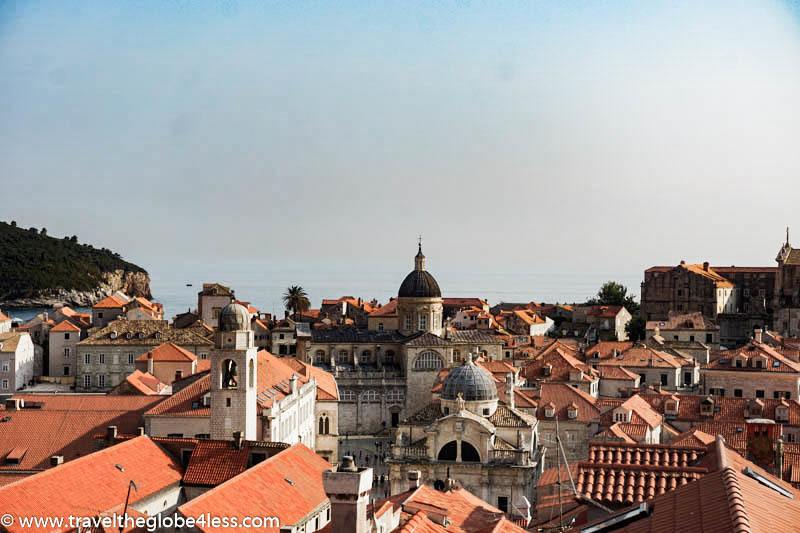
point(131, 283)
point(37, 270)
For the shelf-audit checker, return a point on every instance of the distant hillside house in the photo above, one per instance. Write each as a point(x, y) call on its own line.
point(16, 361)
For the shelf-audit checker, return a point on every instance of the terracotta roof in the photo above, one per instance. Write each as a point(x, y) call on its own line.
point(693, 437)
point(65, 326)
point(168, 352)
point(327, 390)
point(556, 364)
point(725, 500)
point(710, 274)
point(694, 321)
point(616, 372)
point(92, 485)
point(749, 354)
point(465, 512)
point(3, 316)
point(185, 402)
point(215, 462)
point(144, 333)
point(604, 311)
point(606, 349)
point(113, 301)
point(643, 357)
point(562, 396)
point(287, 485)
point(505, 416)
point(144, 383)
point(55, 424)
point(10, 340)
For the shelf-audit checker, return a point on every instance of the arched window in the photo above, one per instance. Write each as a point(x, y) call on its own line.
point(469, 454)
point(319, 357)
point(324, 424)
point(395, 395)
point(366, 357)
point(449, 451)
point(228, 374)
point(347, 395)
point(251, 374)
point(428, 361)
point(345, 356)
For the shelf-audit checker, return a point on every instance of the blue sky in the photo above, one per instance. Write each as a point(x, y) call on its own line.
point(569, 135)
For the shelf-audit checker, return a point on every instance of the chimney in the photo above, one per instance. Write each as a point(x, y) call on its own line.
point(111, 434)
point(56, 460)
point(238, 440)
point(140, 431)
point(510, 390)
point(414, 479)
point(293, 383)
point(150, 363)
point(348, 490)
point(705, 266)
point(758, 335)
point(779, 458)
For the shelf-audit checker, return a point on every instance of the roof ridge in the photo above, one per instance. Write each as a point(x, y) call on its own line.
point(739, 520)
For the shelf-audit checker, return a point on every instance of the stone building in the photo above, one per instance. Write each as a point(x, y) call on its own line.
point(787, 291)
point(386, 375)
point(63, 349)
point(685, 327)
point(109, 354)
point(210, 302)
point(490, 448)
point(16, 361)
point(5, 322)
point(684, 289)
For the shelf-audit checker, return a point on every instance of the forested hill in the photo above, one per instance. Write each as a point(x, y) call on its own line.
point(34, 266)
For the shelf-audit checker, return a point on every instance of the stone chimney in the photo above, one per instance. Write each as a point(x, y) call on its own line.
point(348, 490)
point(111, 434)
point(56, 460)
point(779, 458)
point(140, 431)
point(293, 383)
point(414, 477)
point(510, 390)
point(238, 440)
point(758, 335)
point(705, 266)
point(150, 363)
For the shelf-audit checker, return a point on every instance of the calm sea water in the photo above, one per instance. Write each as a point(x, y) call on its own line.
point(263, 285)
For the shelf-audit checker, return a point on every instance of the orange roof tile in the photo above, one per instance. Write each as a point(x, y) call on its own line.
point(65, 326)
point(185, 402)
point(110, 302)
point(91, 485)
point(168, 352)
point(287, 485)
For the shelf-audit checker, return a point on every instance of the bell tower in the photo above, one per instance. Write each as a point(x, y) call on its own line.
point(234, 376)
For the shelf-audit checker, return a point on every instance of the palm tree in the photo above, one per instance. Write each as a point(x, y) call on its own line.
point(296, 300)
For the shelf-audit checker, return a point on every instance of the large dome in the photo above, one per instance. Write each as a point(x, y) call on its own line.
point(234, 317)
point(473, 382)
point(419, 284)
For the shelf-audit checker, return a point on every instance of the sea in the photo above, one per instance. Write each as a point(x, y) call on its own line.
point(176, 286)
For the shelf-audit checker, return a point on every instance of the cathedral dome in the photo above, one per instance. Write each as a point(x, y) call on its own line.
point(475, 384)
point(419, 283)
point(234, 317)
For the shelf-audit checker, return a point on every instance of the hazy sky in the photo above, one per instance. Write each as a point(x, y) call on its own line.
point(558, 136)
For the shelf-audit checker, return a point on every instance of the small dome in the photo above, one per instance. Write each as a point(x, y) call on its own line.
point(473, 382)
point(234, 317)
point(419, 284)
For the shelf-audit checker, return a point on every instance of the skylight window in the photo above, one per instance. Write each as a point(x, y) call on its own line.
point(749, 472)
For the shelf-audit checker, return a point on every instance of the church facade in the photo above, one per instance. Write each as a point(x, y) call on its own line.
point(385, 376)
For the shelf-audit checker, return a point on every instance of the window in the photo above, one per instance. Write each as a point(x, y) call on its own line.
point(324, 424)
point(66, 336)
point(759, 363)
point(423, 322)
point(759, 393)
point(370, 396)
point(101, 358)
point(664, 379)
point(395, 395)
point(380, 326)
point(67, 352)
point(130, 359)
point(87, 358)
point(87, 381)
point(737, 393)
point(4, 384)
point(66, 371)
point(502, 503)
point(347, 395)
point(204, 355)
point(227, 402)
point(5, 366)
point(428, 361)
point(778, 394)
point(407, 323)
point(709, 337)
point(319, 357)
point(101, 381)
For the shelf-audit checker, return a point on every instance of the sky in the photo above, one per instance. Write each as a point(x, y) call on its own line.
point(549, 136)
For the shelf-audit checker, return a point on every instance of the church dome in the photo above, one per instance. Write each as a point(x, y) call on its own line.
point(419, 283)
point(234, 317)
point(475, 384)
